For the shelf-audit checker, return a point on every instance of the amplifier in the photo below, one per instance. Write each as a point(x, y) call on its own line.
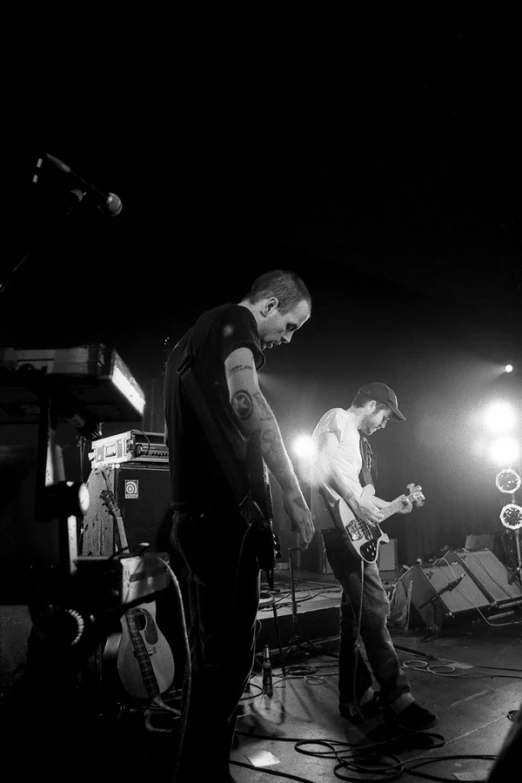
point(142, 494)
point(442, 593)
point(130, 446)
point(489, 574)
point(387, 560)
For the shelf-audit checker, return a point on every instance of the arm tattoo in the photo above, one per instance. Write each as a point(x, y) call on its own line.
point(239, 367)
point(271, 447)
point(266, 413)
point(242, 405)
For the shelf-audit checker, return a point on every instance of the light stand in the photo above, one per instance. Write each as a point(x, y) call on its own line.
point(517, 572)
point(508, 481)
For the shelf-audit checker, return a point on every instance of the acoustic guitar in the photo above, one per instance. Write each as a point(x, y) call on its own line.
point(144, 660)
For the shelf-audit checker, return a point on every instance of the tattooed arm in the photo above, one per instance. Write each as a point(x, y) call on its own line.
point(259, 423)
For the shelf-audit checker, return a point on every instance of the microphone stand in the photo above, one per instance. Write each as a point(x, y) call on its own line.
point(296, 641)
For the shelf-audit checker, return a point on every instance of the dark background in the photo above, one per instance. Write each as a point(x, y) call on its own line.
point(375, 154)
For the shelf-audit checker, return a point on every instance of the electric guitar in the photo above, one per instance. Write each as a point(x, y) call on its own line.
point(364, 538)
point(144, 660)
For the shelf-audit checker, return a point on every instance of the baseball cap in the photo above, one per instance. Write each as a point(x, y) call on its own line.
point(382, 393)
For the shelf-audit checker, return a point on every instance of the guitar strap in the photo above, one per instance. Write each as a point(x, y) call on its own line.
point(367, 457)
point(248, 508)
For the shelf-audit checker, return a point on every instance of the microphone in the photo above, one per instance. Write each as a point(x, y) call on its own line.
point(108, 203)
point(450, 586)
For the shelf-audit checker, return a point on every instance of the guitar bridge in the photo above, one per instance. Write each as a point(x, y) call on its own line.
point(357, 530)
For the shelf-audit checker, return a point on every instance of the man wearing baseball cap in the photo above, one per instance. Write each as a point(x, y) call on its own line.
point(343, 458)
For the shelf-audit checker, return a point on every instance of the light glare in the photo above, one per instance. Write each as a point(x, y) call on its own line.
point(304, 446)
point(500, 417)
point(509, 368)
point(504, 451)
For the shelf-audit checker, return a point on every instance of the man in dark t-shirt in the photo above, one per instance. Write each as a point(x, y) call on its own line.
point(196, 475)
point(225, 348)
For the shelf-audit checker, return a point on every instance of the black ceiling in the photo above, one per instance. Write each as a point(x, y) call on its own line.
point(378, 157)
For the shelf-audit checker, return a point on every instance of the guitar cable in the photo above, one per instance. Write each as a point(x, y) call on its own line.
point(187, 676)
point(357, 647)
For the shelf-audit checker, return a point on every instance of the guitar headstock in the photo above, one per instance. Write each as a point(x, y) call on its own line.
point(110, 501)
point(415, 494)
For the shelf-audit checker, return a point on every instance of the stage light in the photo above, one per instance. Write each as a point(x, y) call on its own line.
point(511, 516)
point(304, 446)
point(504, 451)
point(500, 417)
point(508, 481)
point(509, 368)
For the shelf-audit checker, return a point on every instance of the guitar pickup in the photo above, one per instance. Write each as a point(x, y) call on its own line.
point(355, 532)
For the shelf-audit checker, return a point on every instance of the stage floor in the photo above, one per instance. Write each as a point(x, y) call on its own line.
point(471, 678)
point(469, 675)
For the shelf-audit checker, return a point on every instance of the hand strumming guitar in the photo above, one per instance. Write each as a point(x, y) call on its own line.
point(364, 509)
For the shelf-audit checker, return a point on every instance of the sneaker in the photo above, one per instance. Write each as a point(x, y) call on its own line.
point(366, 711)
point(413, 717)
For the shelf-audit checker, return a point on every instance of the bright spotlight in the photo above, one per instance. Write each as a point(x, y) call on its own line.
point(511, 516)
point(509, 368)
point(504, 451)
point(500, 417)
point(304, 446)
point(508, 481)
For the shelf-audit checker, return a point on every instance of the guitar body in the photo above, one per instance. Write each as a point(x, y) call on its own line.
point(144, 660)
point(364, 538)
point(140, 653)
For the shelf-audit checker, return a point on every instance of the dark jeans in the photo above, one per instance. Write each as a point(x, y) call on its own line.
point(373, 629)
point(223, 591)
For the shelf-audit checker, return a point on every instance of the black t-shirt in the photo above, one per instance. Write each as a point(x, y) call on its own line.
point(195, 473)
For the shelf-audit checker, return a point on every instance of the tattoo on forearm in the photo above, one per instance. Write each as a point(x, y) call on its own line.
point(266, 413)
point(242, 405)
point(239, 367)
point(273, 450)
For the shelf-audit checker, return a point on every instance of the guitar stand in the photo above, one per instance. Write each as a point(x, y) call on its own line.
point(157, 709)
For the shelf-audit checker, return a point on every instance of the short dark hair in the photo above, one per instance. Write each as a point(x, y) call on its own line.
point(360, 400)
point(284, 285)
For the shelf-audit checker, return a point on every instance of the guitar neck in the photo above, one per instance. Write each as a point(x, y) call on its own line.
point(392, 508)
point(140, 650)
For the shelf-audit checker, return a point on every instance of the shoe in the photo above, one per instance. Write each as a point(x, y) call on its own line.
point(413, 717)
point(366, 711)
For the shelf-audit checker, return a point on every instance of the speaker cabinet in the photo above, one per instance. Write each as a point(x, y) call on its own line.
point(489, 574)
point(442, 593)
point(142, 493)
point(387, 560)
